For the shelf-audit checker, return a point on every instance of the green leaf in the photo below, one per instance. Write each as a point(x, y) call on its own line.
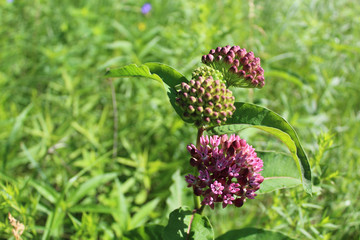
point(132, 71)
point(143, 213)
point(93, 208)
point(156, 71)
point(178, 193)
point(45, 190)
point(269, 121)
point(147, 232)
point(121, 213)
point(281, 74)
point(178, 225)
point(89, 185)
point(14, 133)
point(253, 234)
point(279, 171)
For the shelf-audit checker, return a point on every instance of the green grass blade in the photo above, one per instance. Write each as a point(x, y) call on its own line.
point(88, 186)
point(147, 232)
point(93, 208)
point(143, 214)
point(253, 233)
point(121, 214)
point(14, 132)
point(46, 191)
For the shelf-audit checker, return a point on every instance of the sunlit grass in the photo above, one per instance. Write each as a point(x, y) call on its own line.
point(56, 112)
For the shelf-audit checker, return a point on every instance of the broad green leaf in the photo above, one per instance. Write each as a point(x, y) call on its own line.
point(88, 186)
point(156, 71)
point(178, 225)
point(147, 232)
point(169, 75)
point(279, 171)
point(143, 213)
point(269, 121)
point(132, 71)
point(253, 234)
point(178, 193)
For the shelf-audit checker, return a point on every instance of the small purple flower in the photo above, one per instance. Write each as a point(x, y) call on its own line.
point(204, 176)
point(228, 198)
point(234, 171)
point(208, 200)
point(217, 187)
point(146, 8)
point(10, 1)
point(191, 180)
point(233, 187)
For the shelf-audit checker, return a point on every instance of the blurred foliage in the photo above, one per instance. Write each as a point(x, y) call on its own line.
point(59, 176)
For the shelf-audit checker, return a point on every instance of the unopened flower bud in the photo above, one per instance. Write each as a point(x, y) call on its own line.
point(191, 109)
point(201, 91)
point(250, 56)
point(224, 51)
point(197, 84)
point(207, 119)
point(233, 69)
point(209, 58)
point(228, 59)
point(192, 99)
point(244, 60)
point(208, 111)
point(236, 62)
point(216, 98)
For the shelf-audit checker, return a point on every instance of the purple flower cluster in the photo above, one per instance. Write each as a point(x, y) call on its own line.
point(206, 101)
point(229, 170)
point(240, 68)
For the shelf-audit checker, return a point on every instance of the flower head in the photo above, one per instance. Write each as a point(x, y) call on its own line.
point(239, 67)
point(229, 170)
point(206, 101)
point(146, 8)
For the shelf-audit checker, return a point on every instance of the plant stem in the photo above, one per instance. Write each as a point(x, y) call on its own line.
point(116, 119)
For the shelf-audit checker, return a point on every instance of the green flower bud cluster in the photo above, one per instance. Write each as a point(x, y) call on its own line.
point(239, 67)
point(206, 72)
point(205, 101)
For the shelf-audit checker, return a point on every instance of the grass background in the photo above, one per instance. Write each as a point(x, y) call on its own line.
point(59, 175)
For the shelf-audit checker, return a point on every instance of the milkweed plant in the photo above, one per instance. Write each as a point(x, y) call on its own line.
point(228, 171)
